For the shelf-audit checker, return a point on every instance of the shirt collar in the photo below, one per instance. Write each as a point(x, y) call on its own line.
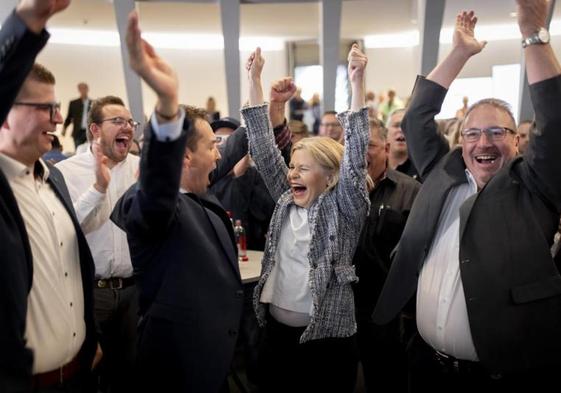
point(471, 180)
point(13, 168)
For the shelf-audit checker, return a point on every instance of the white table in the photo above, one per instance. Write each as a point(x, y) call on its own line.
point(251, 270)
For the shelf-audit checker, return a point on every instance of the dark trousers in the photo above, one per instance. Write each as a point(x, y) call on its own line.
point(383, 357)
point(116, 312)
point(429, 372)
point(80, 383)
point(326, 365)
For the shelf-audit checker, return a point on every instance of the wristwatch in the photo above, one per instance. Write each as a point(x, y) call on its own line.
point(539, 37)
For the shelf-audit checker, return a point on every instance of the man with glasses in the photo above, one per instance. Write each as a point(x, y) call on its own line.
point(331, 127)
point(96, 180)
point(56, 283)
point(476, 247)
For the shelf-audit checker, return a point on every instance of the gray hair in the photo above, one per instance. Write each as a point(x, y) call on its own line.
point(496, 103)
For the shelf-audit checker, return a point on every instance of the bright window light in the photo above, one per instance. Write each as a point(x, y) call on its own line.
point(398, 40)
point(161, 40)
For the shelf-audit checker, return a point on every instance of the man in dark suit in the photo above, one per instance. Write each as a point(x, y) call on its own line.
point(22, 36)
point(78, 115)
point(476, 247)
point(58, 307)
point(182, 245)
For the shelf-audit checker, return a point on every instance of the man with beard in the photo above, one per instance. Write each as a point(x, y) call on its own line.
point(476, 247)
point(398, 158)
point(96, 180)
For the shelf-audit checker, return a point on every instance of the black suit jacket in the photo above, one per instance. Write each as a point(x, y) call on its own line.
point(511, 285)
point(185, 260)
point(74, 116)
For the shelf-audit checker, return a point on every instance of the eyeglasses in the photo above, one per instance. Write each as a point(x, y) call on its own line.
point(220, 139)
point(121, 122)
point(326, 125)
point(53, 107)
point(494, 133)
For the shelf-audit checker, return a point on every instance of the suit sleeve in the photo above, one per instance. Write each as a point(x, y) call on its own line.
point(18, 49)
point(425, 144)
point(541, 170)
point(69, 115)
point(148, 207)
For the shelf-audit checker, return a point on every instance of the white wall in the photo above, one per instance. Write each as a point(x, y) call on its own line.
point(201, 73)
point(398, 67)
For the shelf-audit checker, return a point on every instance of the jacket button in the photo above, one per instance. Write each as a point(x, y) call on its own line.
point(239, 293)
point(465, 261)
point(232, 332)
point(332, 237)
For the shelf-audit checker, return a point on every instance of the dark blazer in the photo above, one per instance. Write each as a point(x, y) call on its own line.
point(74, 116)
point(185, 261)
point(512, 287)
point(18, 49)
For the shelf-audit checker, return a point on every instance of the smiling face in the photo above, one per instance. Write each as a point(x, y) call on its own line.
point(485, 157)
point(331, 127)
point(25, 134)
point(307, 178)
point(115, 140)
point(314, 167)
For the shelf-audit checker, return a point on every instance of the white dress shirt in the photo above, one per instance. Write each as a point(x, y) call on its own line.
point(107, 242)
point(288, 287)
point(55, 327)
point(442, 318)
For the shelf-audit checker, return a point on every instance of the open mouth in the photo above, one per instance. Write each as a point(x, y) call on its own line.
point(122, 142)
point(400, 139)
point(486, 159)
point(298, 189)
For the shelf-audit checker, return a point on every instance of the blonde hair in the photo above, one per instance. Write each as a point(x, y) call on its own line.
point(327, 152)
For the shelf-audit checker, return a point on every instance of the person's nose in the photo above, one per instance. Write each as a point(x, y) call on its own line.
point(217, 154)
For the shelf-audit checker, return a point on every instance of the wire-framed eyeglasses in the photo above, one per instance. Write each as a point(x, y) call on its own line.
point(121, 122)
point(493, 133)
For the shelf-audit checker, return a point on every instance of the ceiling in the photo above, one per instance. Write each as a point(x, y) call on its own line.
point(288, 19)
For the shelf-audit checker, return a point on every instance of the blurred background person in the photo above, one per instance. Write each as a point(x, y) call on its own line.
point(211, 112)
point(299, 130)
point(524, 129)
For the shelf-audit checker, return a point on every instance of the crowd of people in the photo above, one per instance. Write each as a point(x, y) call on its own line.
point(434, 263)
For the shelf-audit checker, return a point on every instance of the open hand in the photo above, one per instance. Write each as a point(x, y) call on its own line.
point(464, 36)
point(151, 68)
point(532, 14)
point(101, 167)
point(36, 13)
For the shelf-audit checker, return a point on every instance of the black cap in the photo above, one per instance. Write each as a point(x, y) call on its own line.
point(225, 122)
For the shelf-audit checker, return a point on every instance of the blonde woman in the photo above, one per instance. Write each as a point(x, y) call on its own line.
point(304, 297)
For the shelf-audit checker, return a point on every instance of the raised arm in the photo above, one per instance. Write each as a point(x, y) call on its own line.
point(263, 150)
point(543, 70)
point(352, 195)
point(281, 92)
point(426, 145)
point(149, 208)
point(22, 36)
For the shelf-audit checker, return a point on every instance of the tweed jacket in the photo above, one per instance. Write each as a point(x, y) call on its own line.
point(335, 221)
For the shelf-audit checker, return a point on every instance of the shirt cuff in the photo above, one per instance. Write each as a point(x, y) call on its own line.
point(168, 132)
point(93, 197)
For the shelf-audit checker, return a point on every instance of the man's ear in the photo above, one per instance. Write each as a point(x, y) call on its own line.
point(187, 157)
point(95, 130)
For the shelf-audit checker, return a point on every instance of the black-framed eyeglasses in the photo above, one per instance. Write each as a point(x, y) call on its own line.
point(493, 133)
point(53, 107)
point(121, 122)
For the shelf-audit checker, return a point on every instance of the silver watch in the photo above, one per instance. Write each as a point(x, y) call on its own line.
point(539, 37)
